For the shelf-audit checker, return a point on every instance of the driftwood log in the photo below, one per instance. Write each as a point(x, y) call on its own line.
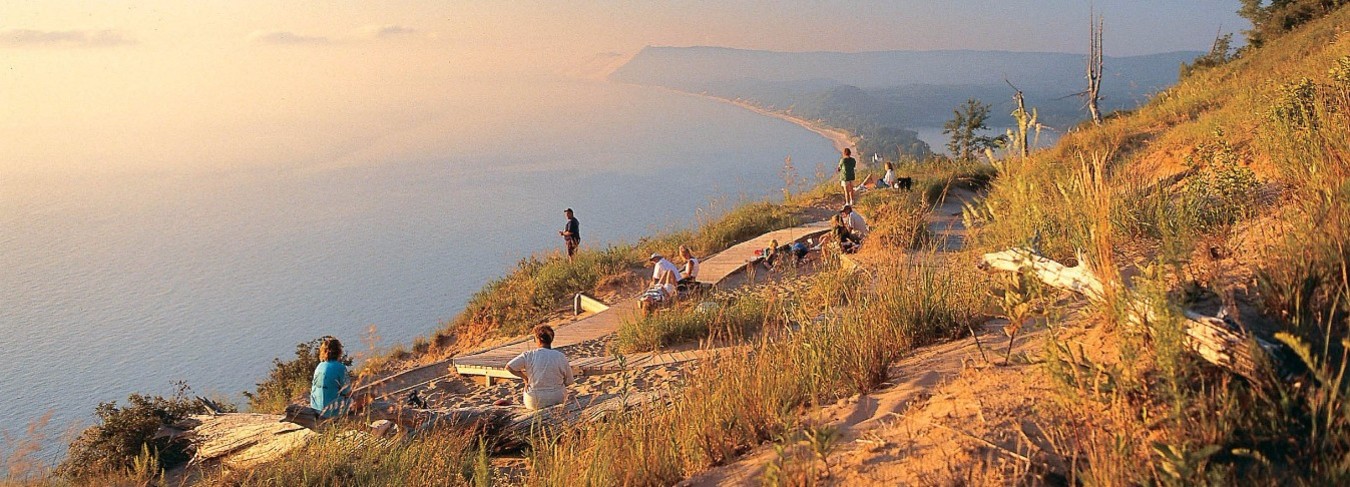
point(239, 440)
point(245, 440)
point(1214, 339)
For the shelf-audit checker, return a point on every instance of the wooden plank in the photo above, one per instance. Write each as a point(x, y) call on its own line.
point(584, 303)
point(491, 361)
point(718, 267)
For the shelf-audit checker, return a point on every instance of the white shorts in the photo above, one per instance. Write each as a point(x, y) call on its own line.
point(534, 400)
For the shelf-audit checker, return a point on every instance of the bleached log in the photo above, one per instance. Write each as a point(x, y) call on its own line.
point(245, 440)
point(528, 424)
point(242, 440)
point(1213, 339)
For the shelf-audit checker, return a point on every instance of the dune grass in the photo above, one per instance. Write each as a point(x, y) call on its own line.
point(440, 457)
point(1164, 188)
point(733, 404)
point(542, 285)
point(728, 318)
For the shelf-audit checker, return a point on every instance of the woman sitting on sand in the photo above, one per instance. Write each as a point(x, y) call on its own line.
point(545, 370)
point(887, 180)
point(331, 390)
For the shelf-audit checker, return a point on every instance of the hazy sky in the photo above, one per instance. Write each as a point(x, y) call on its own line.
point(144, 80)
point(1134, 26)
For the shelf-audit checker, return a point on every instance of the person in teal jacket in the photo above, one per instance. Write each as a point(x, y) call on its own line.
point(331, 390)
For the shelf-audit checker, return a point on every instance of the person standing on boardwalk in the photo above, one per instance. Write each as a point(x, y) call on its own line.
point(845, 170)
point(545, 371)
point(571, 234)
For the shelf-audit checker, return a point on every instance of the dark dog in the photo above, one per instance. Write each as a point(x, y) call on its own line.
point(904, 183)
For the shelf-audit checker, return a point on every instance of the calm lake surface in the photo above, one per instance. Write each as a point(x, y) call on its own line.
point(127, 278)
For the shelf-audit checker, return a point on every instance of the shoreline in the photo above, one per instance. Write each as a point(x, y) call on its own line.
point(840, 138)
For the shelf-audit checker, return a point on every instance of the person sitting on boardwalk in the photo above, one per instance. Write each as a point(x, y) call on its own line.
point(776, 253)
point(854, 222)
point(545, 371)
point(690, 270)
point(665, 277)
point(848, 242)
point(331, 390)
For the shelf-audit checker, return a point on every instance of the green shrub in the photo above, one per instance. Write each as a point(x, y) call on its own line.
point(1223, 189)
point(122, 434)
point(745, 222)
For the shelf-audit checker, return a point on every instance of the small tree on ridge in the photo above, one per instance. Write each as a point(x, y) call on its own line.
point(963, 129)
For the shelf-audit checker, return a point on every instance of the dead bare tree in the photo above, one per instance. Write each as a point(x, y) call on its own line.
point(1025, 121)
point(1094, 66)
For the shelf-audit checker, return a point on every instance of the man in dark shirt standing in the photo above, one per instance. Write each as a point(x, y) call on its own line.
point(571, 234)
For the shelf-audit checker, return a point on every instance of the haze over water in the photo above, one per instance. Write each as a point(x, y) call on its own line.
point(124, 281)
point(189, 189)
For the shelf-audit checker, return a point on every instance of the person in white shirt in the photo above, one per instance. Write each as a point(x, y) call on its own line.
point(664, 274)
point(690, 270)
point(545, 370)
point(854, 221)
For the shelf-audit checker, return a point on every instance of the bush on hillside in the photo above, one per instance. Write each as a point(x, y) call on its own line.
point(537, 287)
point(743, 223)
point(126, 432)
point(1274, 18)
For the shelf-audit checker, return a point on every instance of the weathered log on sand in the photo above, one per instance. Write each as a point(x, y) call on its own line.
point(1217, 341)
point(242, 440)
point(525, 425)
point(489, 418)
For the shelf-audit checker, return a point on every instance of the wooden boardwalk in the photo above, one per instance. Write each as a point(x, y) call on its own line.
point(717, 268)
point(611, 365)
point(491, 363)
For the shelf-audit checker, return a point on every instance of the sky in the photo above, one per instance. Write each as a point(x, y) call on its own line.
point(82, 81)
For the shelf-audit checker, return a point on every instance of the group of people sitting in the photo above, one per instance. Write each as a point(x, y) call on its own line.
point(777, 255)
point(668, 280)
point(849, 228)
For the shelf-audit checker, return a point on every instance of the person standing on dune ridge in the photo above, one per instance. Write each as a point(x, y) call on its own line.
point(571, 234)
point(846, 174)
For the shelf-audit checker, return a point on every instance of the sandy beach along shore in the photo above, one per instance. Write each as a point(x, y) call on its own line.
point(840, 138)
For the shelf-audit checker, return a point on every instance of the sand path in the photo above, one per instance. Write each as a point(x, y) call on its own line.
point(950, 413)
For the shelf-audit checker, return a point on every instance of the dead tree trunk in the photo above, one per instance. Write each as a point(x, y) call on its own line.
point(1213, 339)
point(1025, 120)
point(1094, 67)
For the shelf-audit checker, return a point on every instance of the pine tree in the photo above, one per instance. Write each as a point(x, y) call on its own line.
point(964, 127)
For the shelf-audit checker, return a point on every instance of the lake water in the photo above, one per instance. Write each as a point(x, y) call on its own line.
point(124, 279)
